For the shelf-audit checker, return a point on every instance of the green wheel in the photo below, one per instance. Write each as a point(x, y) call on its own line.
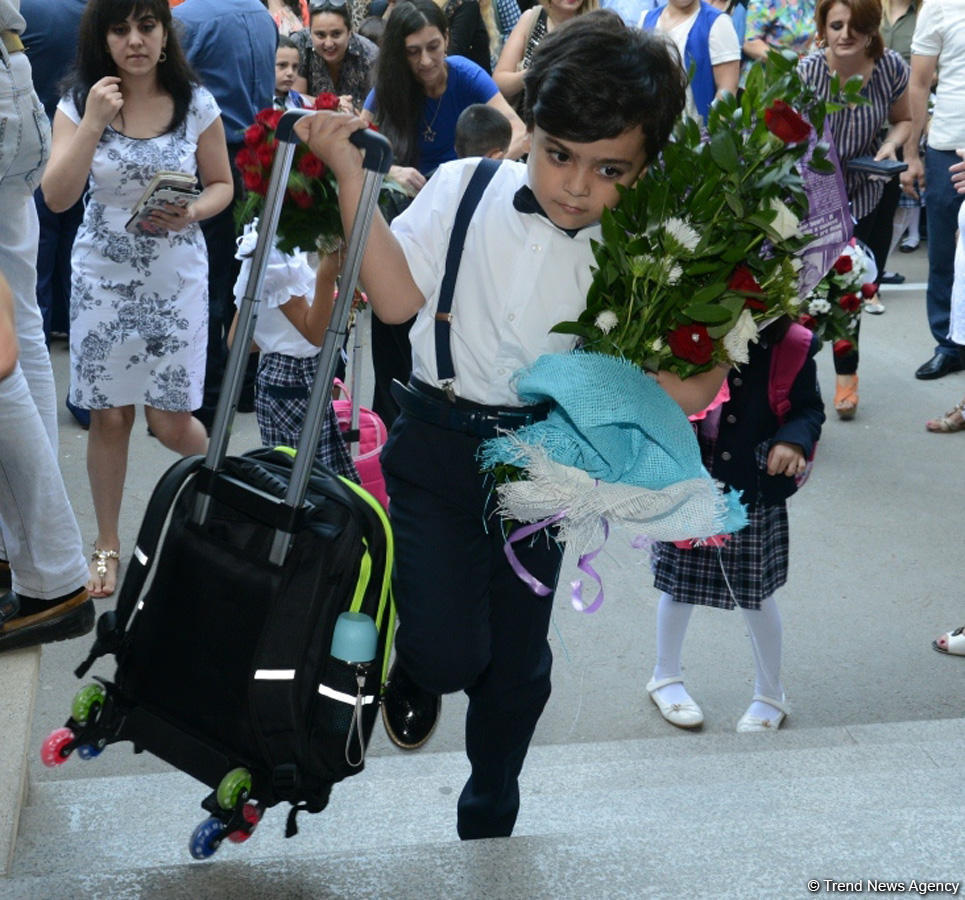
point(85, 700)
point(235, 786)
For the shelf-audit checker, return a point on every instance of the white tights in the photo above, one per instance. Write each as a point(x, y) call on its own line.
point(764, 628)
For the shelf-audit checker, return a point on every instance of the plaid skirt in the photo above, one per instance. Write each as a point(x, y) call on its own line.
point(750, 567)
point(282, 387)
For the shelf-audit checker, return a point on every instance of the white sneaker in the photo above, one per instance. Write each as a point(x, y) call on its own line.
point(684, 715)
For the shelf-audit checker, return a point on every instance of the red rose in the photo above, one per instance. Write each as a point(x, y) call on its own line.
point(691, 342)
point(743, 282)
point(311, 166)
point(325, 100)
point(850, 303)
point(868, 290)
point(245, 158)
point(265, 156)
point(787, 124)
point(843, 264)
point(253, 181)
point(842, 347)
point(301, 199)
point(808, 321)
point(269, 118)
point(255, 134)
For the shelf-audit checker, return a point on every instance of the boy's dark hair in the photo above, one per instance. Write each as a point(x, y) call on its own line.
point(399, 97)
point(480, 129)
point(285, 43)
point(373, 27)
point(594, 78)
point(94, 60)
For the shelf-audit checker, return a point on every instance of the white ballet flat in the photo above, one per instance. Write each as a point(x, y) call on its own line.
point(756, 723)
point(684, 715)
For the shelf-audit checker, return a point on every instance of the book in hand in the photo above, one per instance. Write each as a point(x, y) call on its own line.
point(884, 167)
point(179, 188)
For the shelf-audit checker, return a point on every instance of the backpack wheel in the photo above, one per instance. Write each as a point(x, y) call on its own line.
point(235, 786)
point(206, 838)
point(89, 751)
point(52, 750)
point(89, 699)
point(252, 817)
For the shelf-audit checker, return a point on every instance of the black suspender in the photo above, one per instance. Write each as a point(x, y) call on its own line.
point(467, 206)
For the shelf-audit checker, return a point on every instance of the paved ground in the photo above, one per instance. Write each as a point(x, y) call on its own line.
point(874, 578)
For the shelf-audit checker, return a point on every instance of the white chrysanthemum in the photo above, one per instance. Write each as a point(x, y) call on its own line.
point(786, 224)
point(606, 321)
point(682, 233)
point(657, 345)
point(818, 306)
point(674, 274)
point(737, 339)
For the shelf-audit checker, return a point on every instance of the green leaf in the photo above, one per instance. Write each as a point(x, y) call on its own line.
point(707, 313)
point(588, 331)
point(708, 292)
point(723, 150)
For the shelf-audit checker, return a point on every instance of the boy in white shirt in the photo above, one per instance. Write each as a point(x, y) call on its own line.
point(601, 99)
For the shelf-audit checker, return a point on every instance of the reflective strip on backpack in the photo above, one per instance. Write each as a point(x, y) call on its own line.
point(350, 699)
point(274, 674)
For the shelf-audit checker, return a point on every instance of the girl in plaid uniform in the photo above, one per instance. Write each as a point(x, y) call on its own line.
point(288, 332)
point(744, 446)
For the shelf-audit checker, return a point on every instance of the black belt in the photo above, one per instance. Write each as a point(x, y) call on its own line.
point(433, 406)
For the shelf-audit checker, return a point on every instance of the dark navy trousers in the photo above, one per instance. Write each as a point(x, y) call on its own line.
point(466, 621)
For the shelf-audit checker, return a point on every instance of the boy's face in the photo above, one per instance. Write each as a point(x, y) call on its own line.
point(286, 68)
point(574, 182)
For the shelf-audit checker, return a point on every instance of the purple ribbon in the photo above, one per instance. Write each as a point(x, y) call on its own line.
point(530, 580)
point(576, 598)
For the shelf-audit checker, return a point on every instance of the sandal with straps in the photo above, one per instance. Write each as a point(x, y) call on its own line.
point(953, 420)
point(846, 398)
point(100, 558)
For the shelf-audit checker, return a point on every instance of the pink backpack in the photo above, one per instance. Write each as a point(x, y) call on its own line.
point(366, 444)
point(787, 359)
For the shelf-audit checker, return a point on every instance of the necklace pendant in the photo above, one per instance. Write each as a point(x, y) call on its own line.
point(429, 135)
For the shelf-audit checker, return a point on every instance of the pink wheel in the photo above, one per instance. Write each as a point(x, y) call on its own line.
point(51, 753)
point(252, 817)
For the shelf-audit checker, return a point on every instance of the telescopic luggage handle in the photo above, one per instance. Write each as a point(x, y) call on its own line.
point(377, 157)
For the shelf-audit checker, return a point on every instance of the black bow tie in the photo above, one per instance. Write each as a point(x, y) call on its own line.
point(524, 201)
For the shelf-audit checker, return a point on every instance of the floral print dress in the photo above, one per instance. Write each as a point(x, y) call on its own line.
point(139, 304)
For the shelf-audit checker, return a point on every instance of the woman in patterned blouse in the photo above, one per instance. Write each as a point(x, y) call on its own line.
point(851, 44)
point(334, 59)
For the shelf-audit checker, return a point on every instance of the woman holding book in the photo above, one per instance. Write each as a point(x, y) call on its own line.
point(139, 304)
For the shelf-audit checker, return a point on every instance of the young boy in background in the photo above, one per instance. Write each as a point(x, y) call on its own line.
point(482, 130)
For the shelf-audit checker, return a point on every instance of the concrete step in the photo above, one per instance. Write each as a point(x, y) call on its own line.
point(751, 815)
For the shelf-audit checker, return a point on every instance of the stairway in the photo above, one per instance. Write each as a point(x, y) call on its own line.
point(720, 815)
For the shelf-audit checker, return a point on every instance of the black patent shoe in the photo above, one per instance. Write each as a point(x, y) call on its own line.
point(410, 713)
point(940, 365)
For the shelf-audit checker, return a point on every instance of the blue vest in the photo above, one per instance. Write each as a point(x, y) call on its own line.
point(696, 52)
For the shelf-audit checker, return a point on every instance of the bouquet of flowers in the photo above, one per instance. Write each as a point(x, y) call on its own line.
point(710, 243)
point(833, 306)
point(714, 241)
point(310, 218)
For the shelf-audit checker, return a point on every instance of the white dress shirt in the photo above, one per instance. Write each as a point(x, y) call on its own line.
point(519, 276)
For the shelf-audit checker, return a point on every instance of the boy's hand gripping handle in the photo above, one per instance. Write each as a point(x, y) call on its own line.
point(375, 147)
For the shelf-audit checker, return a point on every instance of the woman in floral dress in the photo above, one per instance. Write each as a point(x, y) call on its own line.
point(139, 302)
